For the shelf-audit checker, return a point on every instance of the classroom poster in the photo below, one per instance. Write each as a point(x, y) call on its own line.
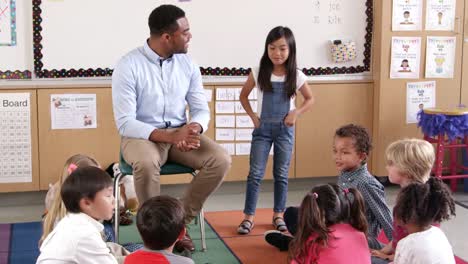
point(440, 57)
point(7, 23)
point(419, 95)
point(15, 138)
point(406, 57)
point(406, 15)
point(440, 14)
point(73, 111)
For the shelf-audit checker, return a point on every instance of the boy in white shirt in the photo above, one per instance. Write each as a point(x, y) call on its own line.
point(88, 197)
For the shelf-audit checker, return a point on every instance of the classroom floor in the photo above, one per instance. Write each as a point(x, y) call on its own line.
point(28, 206)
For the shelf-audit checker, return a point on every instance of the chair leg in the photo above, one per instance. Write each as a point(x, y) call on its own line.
point(117, 206)
point(201, 220)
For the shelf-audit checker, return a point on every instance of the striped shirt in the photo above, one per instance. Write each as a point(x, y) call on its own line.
point(377, 212)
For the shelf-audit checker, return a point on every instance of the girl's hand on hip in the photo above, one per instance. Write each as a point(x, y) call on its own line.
point(256, 121)
point(290, 119)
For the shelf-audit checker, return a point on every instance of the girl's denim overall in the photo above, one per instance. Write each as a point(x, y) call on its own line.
point(272, 130)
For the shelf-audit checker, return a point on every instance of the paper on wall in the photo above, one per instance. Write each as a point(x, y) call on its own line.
point(406, 15)
point(244, 134)
point(7, 24)
point(253, 94)
point(440, 15)
point(73, 111)
point(440, 57)
point(406, 57)
point(224, 107)
point(225, 134)
point(229, 147)
point(225, 94)
point(242, 149)
point(244, 121)
point(238, 92)
point(15, 138)
point(225, 121)
point(208, 94)
point(419, 95)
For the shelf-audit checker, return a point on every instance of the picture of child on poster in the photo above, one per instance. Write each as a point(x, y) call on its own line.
point(440, 15)
point(407, 15)
point(407, 20)
point(419, 95)
point(440, 57)
point(405, 58)
point(404, 66)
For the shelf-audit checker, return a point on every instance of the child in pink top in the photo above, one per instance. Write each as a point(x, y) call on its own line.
point(332, 226)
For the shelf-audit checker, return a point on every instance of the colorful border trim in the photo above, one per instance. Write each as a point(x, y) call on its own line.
point(209, 71)
point(13, 24)
point(8, 75)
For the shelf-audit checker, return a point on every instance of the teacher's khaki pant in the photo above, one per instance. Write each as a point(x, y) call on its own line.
point(146, 159)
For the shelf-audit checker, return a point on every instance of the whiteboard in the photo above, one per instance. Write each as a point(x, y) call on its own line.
point(92, 35)
point(16, 60)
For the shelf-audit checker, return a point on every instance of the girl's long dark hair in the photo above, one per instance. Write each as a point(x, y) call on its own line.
point(324, 206)
point(424, 203)
point(266, 66)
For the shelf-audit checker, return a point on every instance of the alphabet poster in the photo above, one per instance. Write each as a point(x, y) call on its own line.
point(15, 138)
point(440, 14)
point(406, 58)
point(440, 57)
point(406, 15)
point(419, 95)
point(73, 111)
point(7, 23)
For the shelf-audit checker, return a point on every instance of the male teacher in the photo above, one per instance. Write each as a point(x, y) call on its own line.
point(150, 88)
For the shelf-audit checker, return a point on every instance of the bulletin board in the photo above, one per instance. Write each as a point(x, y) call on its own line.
point(15, 39)
point(86, 38)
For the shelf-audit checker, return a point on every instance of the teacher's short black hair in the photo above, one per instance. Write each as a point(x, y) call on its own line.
point(163, 19)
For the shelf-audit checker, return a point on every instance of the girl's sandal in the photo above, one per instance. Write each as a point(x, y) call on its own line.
point(245, 227)
point(279, 224)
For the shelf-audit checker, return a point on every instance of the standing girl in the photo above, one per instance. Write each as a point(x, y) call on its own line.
point(332, 227)
point(277, 80)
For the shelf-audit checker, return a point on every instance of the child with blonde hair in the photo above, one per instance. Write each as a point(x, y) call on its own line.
point(408, 161)
point(55, 209)
point(87, 195)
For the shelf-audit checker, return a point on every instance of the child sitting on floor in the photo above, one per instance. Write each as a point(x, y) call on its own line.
point(55, 209)
point(88, 198)
point(160, 222)
point(351, 148)
point(331, 229)
point(408, 161)
point(418, 206)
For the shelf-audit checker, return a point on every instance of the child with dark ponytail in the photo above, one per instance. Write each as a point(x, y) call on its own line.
point(418, 206)
point(332, 228)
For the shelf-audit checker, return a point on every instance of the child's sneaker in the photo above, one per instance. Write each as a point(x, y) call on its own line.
point(278, 239)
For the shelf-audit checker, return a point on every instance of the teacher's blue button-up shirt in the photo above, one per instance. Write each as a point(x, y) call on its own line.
point(149, 92)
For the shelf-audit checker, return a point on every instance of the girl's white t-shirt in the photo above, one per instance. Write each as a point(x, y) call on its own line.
point(300, 80)
point(427, 247)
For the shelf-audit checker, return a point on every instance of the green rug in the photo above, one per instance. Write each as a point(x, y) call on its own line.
point(216, 252)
